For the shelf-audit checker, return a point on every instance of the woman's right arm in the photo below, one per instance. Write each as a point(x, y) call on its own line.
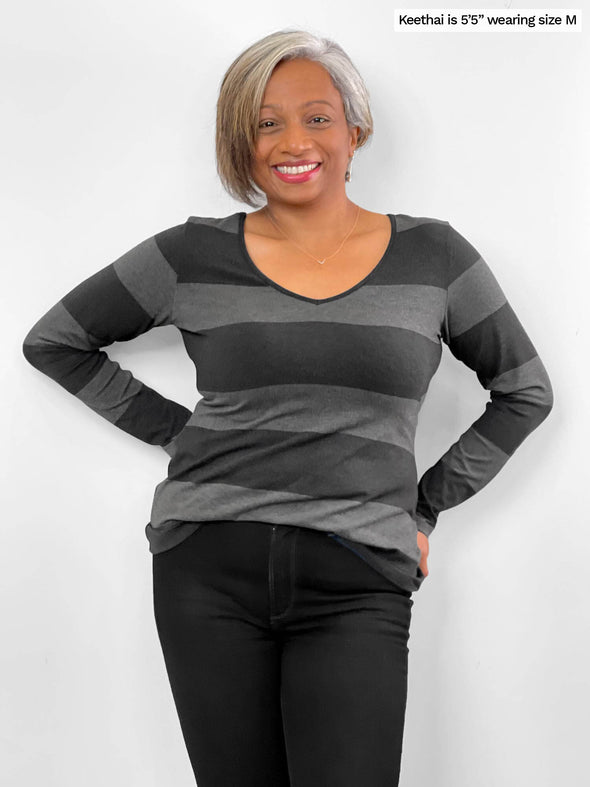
point(483, 332)
point(126, 298)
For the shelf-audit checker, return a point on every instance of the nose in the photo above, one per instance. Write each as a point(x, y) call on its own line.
point(295, 138)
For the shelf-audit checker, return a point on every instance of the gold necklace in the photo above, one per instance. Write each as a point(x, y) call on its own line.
point(321, 262)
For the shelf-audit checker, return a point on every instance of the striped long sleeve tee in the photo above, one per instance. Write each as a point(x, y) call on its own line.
point(308, 406)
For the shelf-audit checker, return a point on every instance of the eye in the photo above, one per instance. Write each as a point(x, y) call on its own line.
point(263, 124)
point(319, 117)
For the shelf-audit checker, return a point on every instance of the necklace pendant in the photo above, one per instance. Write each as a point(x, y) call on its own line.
point(321, 262)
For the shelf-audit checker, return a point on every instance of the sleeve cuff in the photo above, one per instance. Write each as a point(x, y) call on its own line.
point(424, 526)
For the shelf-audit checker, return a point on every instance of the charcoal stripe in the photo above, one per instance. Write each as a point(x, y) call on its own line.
point(152, 417)
point(462, 254)
point(58, 327)
point(309, 463)
point(469, 464)
point(73, 369)
point(251, 355)
point(509, 419)
point(120, 318)
point(174, 247)
point(495, 345)
point(214, 256)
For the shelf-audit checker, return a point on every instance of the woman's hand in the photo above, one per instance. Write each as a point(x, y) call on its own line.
point(424, 548)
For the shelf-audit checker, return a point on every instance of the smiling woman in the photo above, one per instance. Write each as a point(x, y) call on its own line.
point(295, 144)
point(291, 529)
point(302, 158)
point(247, 89)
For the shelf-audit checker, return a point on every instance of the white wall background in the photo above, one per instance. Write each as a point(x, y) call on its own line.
point(108, 123)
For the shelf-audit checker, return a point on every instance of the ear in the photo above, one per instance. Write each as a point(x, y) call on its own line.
point(354, 135)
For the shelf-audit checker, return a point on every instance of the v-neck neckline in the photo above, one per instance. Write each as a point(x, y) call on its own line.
point(318, 301)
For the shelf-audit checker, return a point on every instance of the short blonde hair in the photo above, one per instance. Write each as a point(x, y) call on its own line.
point(242, 90)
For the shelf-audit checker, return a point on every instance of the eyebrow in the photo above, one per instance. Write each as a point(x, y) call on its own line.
point(306, 104)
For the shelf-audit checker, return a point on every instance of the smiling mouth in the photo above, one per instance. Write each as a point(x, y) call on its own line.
point(298, 170)
point(301, 173)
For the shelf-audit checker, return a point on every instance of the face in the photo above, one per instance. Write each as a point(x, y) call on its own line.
point(302, 123)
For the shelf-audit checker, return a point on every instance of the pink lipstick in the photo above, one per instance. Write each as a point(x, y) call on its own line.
point(298, 177)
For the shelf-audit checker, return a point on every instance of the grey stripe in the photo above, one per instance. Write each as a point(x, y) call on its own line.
point(371, 523)
point(227, 223)
point(232, 223)
point(415, 307)
point(149, 278)
point(405, 222)
point(58, 326)
point(313, 408)
point(528, 379)
point(478, 295)
point(111, 391)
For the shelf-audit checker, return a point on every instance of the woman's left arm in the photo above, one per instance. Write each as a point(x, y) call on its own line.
point(481, 330)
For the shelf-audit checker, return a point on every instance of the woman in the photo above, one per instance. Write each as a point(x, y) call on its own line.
point(291, 529)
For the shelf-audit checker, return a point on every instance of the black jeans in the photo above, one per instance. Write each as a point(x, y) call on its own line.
point(287, 657)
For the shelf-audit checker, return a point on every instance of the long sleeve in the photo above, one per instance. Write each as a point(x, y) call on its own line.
point(130, 296)
point(481, 330)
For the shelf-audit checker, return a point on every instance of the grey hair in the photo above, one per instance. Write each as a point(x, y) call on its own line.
point(242, 90)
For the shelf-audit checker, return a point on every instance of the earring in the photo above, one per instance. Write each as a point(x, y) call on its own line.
point(348, 176)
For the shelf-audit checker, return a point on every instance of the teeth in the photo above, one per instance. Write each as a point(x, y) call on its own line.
point(297, 170)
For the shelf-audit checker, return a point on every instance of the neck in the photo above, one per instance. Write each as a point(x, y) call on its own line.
point(310, 222)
